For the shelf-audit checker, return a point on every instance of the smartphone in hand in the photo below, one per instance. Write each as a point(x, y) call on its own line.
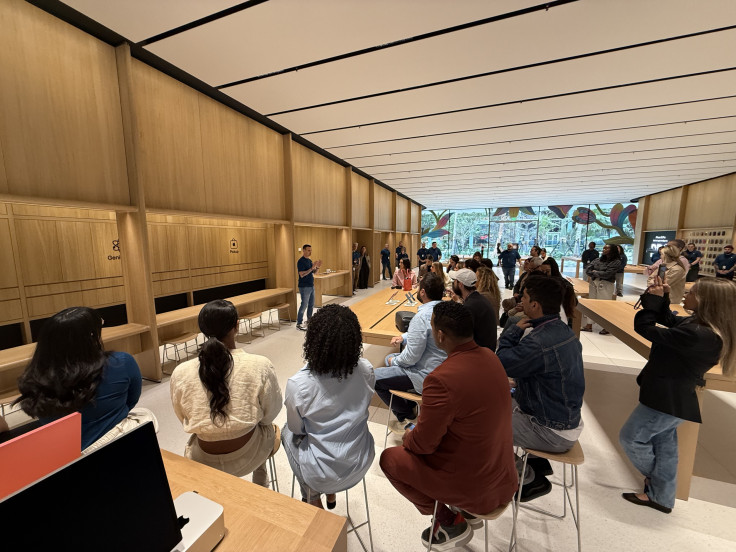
point(661, 272)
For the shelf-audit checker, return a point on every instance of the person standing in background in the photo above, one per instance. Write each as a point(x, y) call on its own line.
point(398, 252)
point(589, 255)
point(356, 266)
point(306, 271)
point(620, 272)
point(422, 254)
point(657, 255)
point(694, 256)
point(674, 275)
point(435, 252)
point(385, 263)
point(602, 274)
point(725, 263)
point(402, 254)
point(364, 272)
point(508, 259)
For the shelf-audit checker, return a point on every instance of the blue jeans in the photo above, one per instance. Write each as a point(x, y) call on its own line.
point(649, 438)
point(393, 377)
point(307, 295)
point(386, 267)
point(509, 272)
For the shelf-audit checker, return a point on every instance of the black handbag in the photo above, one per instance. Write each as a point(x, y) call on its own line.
point(402, 320)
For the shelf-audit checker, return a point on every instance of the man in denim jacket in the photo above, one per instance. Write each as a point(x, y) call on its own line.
point(547, 366)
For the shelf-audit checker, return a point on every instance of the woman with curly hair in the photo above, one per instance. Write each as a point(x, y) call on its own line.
point(227, 399)
point(71, 372)
point(326, 435)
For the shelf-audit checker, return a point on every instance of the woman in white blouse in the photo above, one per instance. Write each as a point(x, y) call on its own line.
point(326, 435)
point(227, 399)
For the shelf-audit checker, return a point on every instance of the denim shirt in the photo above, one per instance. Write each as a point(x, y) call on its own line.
point(421, 354)
point(547, 365)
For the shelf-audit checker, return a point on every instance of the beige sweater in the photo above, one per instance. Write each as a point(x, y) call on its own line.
point(255, 397)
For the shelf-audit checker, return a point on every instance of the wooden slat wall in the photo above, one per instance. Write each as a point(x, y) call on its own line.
point(416, 218)
point(10, 303)
point(383, 202)
point(332, 245)
point(361, 201)
point(663, 210)
point(711, 203)
point(243, 164)
point(403, 215)
point(320, 192)
point(61, 133)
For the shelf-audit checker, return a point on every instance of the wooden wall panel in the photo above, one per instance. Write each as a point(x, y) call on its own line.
point(3, 178)
point(360, 201)
point(320, 191)
point(169, 144)
point(328, 244)
point(416, 217)
point(61, 130)
point(106, 249)
point(75, 246)
point(383, 206)
point(663, 210)
point(168, 247)
point(243, 164)
point(8, 277)
point(40, 258)
point(711, 203)
point(403, 215)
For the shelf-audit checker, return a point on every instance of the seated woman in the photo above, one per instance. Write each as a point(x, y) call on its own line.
point(326, 435)
point(437, 269)
point(402, 273)
point(487, 286)
point(227, 399)
point(71, 372)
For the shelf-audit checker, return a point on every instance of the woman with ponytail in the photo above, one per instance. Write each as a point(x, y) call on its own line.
point(227, 399)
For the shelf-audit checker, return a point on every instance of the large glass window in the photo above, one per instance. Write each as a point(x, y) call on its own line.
point(564, 230)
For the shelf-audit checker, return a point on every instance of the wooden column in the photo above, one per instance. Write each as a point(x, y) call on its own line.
point(133, 231)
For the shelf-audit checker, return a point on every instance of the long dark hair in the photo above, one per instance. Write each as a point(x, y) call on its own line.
point(216, 320)
point(66, 367)
point(334, 342)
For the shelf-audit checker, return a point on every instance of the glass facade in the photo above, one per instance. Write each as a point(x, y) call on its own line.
point(564, 230)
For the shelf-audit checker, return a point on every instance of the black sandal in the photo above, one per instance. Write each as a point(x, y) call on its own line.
point(631, 497)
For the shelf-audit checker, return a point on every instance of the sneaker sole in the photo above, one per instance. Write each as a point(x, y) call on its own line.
point(464, 539)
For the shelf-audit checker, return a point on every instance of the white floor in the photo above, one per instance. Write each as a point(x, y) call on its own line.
point(706, 522)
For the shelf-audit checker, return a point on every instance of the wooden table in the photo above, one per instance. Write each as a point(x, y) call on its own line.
point(618, 318)
point(173, 323)
point(340, 280)
point(377, 318)
point(256, 518)
point(126, 337)
point(582, 287)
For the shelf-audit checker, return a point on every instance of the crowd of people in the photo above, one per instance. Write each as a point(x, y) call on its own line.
point(482, 394)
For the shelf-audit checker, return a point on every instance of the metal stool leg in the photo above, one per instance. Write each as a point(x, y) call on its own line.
point(274, 482)
point(388, 419)
point(354, 528)
point(431, 526)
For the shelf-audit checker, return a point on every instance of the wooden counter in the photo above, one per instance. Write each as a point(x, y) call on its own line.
point(256, 518)
point(339, 280)
point(377, 318)
point(618, 318)
point(577, 262)
point(176, 322)
point(13, 361)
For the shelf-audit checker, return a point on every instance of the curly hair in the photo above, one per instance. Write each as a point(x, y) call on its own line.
point(216, 319)
point(67, 365)
point(334, 342)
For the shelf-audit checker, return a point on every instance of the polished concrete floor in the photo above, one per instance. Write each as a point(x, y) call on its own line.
point(705, 522)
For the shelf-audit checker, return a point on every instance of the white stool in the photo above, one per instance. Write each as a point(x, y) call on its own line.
point(175, 342)
point(573, 457)
point(353, 528)
point(278, 308)
point(248, 320)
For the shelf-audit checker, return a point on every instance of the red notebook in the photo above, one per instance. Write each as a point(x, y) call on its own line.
point(30, 456)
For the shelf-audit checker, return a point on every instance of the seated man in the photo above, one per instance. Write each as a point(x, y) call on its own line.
point(485, 318)
point(460, 450)
point(547, 365)
point(406, 371)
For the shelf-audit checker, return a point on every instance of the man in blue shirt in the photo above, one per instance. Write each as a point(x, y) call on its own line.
point(435, 252)
point(508, 259)
point(422, 253)
point(725, 263)
point(406, 371)
point(694, 256)
point(306, 284)
point(385, 263)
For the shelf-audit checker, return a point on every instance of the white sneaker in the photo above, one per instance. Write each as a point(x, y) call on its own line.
point(399, 427)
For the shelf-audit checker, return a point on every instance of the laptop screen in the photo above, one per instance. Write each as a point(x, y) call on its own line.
point(116, 498)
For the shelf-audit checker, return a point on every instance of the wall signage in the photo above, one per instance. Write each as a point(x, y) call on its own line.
point(115, 249)
point(234, 246)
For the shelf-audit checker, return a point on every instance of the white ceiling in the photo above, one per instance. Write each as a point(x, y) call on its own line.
point(539, 111)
